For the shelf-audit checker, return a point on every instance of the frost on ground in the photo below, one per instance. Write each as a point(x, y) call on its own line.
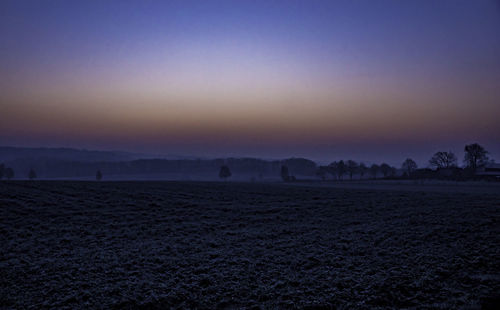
point(236, 245)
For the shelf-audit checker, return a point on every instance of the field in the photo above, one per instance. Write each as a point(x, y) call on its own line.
point(246, 245)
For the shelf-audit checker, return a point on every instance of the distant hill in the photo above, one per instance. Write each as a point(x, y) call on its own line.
point(8, 153)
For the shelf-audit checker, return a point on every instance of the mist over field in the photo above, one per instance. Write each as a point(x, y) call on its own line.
point(53, 163)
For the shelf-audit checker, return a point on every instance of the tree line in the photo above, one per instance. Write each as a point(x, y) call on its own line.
point(350, 168)
point(475, 156)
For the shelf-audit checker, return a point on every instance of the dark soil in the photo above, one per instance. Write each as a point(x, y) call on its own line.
point(242, 245)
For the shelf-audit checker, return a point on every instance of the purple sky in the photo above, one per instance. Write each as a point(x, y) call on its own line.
point(368, 80)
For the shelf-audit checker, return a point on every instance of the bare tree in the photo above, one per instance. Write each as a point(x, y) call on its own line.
point(443, 160)
point(394, 171)
point(333, 169)
point(475, 156)
point(352, 167)
point(321, 172)
point(385, 169)
point(32, 174)
point(341, 169)
point(224, 172)
point(362, 170)
point(285, 175)
point(374, 170)
point(409, 165)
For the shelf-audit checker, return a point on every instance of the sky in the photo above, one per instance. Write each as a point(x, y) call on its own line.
point(327, 80)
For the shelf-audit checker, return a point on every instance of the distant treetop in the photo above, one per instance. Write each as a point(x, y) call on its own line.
point(475, 156)
point(224, 172)
point(409, 166)
point(32, 174)
point(443, 160)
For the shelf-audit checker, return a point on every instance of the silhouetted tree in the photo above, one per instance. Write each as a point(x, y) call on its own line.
point(322, 172)
point(385, 169)
point(98, 175)
point(341, 169)
point(409, 165)
point(2, 171)
point(475, 156)
point(9, 173)
point(352, 167)
point(374, 170)
point(443, 160)
point(32, 174)
point(300, 166)
point(393, 171)
point(362, 170)
point(224, 172)
point(333, 169)
point(285, 175)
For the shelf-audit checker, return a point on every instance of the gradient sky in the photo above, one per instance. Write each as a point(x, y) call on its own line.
point(368, 80)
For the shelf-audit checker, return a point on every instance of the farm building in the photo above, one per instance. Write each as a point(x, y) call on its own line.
point(489, 171)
